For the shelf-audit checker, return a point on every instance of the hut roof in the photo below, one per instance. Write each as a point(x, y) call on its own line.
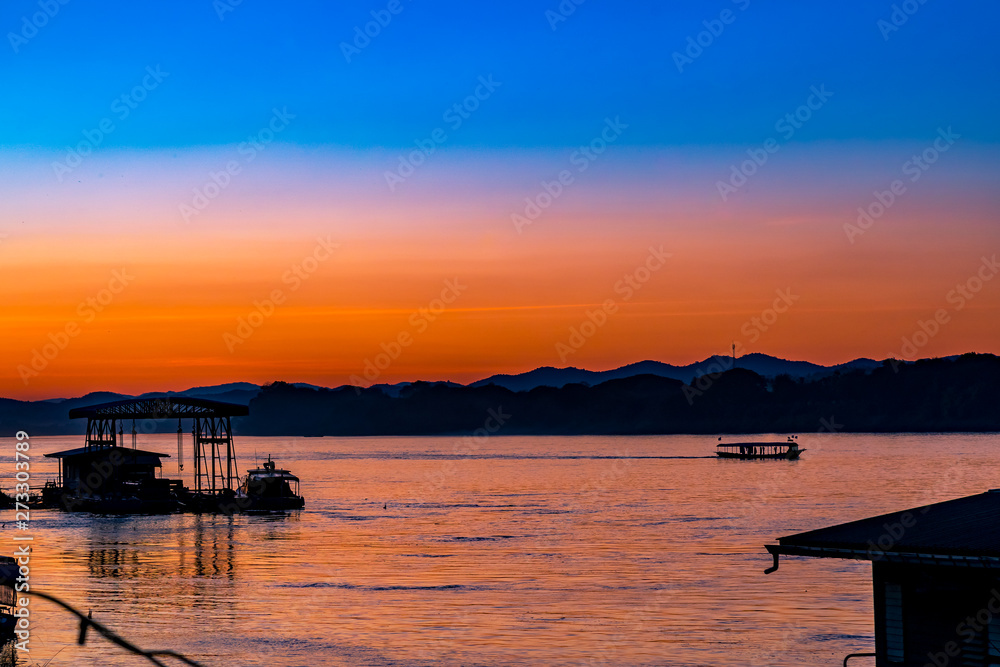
point(103, 451)
point(964, 531)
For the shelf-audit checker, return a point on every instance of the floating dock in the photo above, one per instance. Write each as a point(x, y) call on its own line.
point(107, 476)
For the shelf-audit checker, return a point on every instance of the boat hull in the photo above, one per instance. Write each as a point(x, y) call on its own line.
point(275, 504)
point(780, 456)
point(270, 489)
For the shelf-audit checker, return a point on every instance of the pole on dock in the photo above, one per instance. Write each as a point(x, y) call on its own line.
point(180, 447)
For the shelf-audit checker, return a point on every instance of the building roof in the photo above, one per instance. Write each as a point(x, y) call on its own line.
point(964, 531)
point(160, 408)
point(265, 472)
point(128, 451)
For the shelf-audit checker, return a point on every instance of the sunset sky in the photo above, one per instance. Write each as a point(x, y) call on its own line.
point(200, 193)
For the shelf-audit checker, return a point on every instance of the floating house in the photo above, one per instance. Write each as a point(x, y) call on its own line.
point(105, 475)
point(936, 575)
point(113, 479)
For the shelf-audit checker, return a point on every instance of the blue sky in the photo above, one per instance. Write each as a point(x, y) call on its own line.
point(787, 222)
point(606, 59)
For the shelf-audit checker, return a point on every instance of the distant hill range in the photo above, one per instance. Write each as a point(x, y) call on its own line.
point(761, 364)
point(758, 393)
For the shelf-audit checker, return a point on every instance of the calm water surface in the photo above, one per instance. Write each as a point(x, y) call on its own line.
point(526, 551)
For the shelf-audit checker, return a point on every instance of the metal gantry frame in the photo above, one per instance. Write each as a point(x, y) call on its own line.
point(212, 433)
point(101, 432)
point(211, 436)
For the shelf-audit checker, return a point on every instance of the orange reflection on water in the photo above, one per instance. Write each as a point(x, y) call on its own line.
point(557, 551)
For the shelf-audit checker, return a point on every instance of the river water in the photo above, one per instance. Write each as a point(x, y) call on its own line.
point(502, 551)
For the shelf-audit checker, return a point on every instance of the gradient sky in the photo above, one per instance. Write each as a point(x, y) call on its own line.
point(344, 122)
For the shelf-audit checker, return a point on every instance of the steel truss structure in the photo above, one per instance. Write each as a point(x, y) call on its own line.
point(212, 433)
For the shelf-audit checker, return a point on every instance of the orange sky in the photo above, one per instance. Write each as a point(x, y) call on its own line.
point(520, 293)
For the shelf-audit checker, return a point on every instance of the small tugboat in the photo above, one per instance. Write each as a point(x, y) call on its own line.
point(270, 489)
point(744, 451)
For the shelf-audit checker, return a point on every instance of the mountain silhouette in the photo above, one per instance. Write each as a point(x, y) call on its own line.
point(933, 395)
point(762, 394)
point(761, 364)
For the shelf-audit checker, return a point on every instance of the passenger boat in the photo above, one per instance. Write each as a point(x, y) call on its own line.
point(269, 488)
point(787, 451)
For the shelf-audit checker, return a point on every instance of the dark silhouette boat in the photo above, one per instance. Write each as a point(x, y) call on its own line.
point(746, 451)
point(270, 489)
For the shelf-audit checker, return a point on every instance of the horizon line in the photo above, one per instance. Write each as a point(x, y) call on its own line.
point(564, 368)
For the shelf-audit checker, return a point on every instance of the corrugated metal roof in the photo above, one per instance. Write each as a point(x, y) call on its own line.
point(166, 407)
point(967, 526)
point(124, 451)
